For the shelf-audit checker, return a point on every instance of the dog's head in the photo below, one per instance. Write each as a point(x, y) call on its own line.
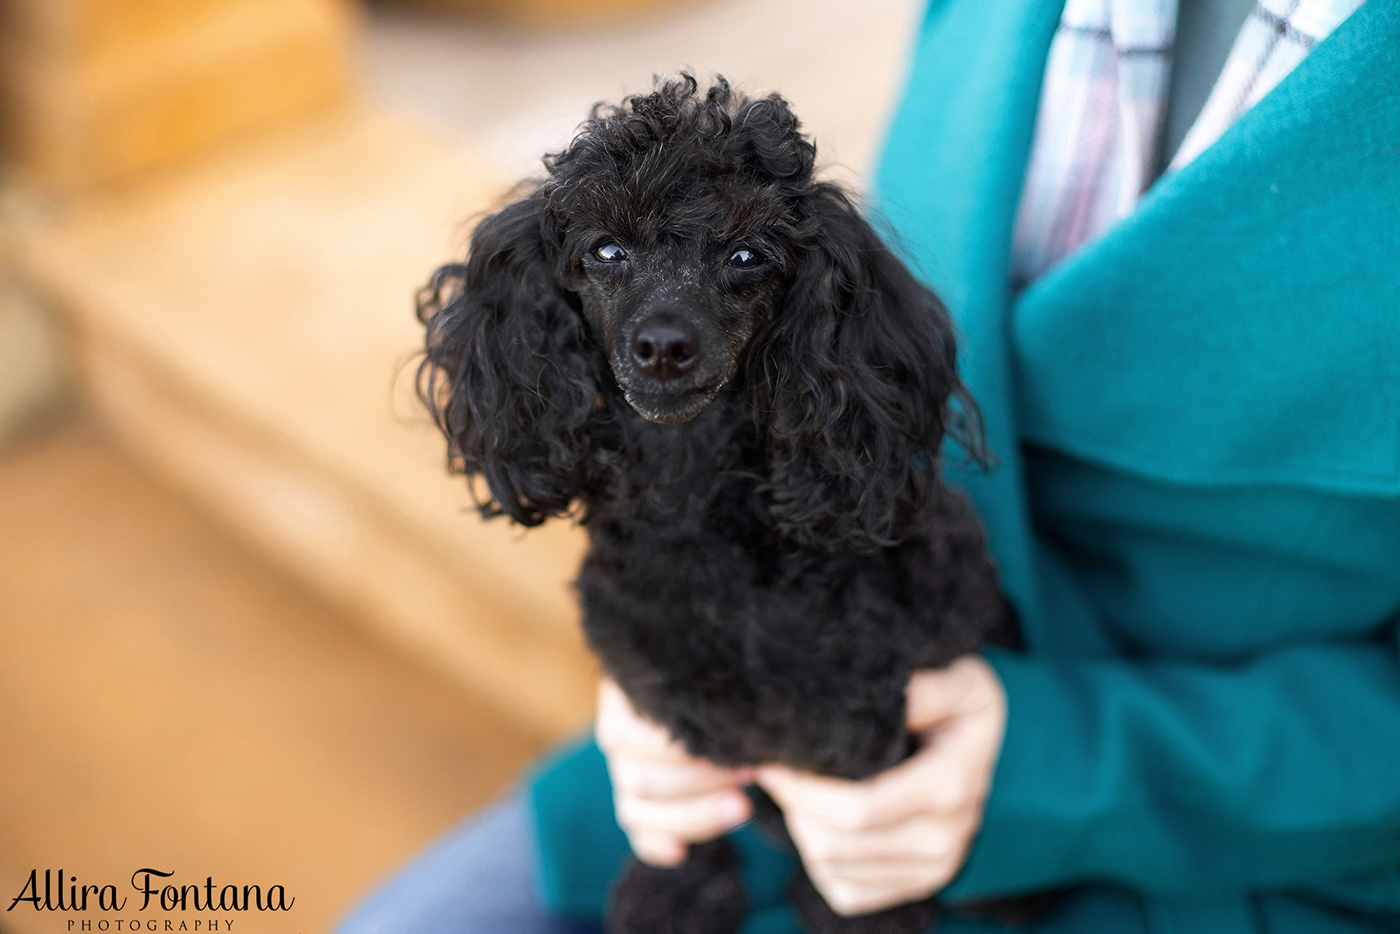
point(680, 244)
point(677, 221)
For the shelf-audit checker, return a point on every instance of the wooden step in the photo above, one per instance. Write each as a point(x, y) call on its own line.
point(247, 328)
point(93, 91)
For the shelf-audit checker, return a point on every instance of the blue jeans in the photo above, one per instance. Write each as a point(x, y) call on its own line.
point(481, 877)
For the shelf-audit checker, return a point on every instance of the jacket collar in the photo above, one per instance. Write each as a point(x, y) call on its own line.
point(952, 173)
point(1245, 313)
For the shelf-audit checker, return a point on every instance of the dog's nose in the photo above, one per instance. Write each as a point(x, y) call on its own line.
point(665, 348)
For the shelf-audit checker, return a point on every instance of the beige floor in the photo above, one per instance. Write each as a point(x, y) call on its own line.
point(168, 700)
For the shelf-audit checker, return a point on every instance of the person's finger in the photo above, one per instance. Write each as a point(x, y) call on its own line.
point(669, 781)
point(934, 696)
point(932, 872)
point(691, 819)
point(658, 849)
point(891, 796)
point(851, 897)
point(923, 839)
point(620, 729)
point(872, 872)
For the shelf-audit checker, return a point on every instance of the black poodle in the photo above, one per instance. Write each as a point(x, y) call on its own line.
point(715, 365)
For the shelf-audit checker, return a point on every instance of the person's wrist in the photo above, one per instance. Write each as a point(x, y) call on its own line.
point(1007, 849)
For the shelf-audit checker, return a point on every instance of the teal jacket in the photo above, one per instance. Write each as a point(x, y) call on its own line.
point(1196, 509)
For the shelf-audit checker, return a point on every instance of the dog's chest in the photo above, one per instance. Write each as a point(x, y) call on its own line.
point(748, 654)
point(751, 649)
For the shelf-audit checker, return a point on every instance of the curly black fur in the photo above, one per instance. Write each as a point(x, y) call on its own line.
point(773, 552)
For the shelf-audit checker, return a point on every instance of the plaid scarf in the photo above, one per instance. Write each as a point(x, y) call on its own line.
point(1275, 38)
point(1104, 99)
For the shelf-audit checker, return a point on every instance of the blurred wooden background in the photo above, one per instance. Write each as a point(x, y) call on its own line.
point(248, 625)
point(97, 90)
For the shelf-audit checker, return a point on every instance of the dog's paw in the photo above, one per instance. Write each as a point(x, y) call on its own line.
point(818, 918)
point(704, 895)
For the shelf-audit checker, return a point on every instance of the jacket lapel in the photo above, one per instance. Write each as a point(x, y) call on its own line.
point(1274, 251)
point(1247, 315)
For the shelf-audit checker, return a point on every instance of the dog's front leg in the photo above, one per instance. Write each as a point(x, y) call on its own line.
point(703, 895)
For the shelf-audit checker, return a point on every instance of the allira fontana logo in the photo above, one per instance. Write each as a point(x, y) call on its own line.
point(149, 892)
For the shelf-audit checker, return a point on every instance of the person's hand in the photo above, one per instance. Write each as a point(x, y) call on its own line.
point(665, 798)
point(903, 834)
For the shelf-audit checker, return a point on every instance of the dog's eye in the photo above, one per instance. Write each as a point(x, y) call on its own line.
point(744, 259)
point(610, 252)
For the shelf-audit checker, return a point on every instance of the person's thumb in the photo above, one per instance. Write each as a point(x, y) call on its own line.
point(938, 695)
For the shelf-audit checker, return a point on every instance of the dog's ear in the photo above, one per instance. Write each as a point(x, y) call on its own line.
point(508, 371)
point(856, 380)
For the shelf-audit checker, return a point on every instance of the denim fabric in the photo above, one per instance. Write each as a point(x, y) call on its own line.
point(480, 878)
